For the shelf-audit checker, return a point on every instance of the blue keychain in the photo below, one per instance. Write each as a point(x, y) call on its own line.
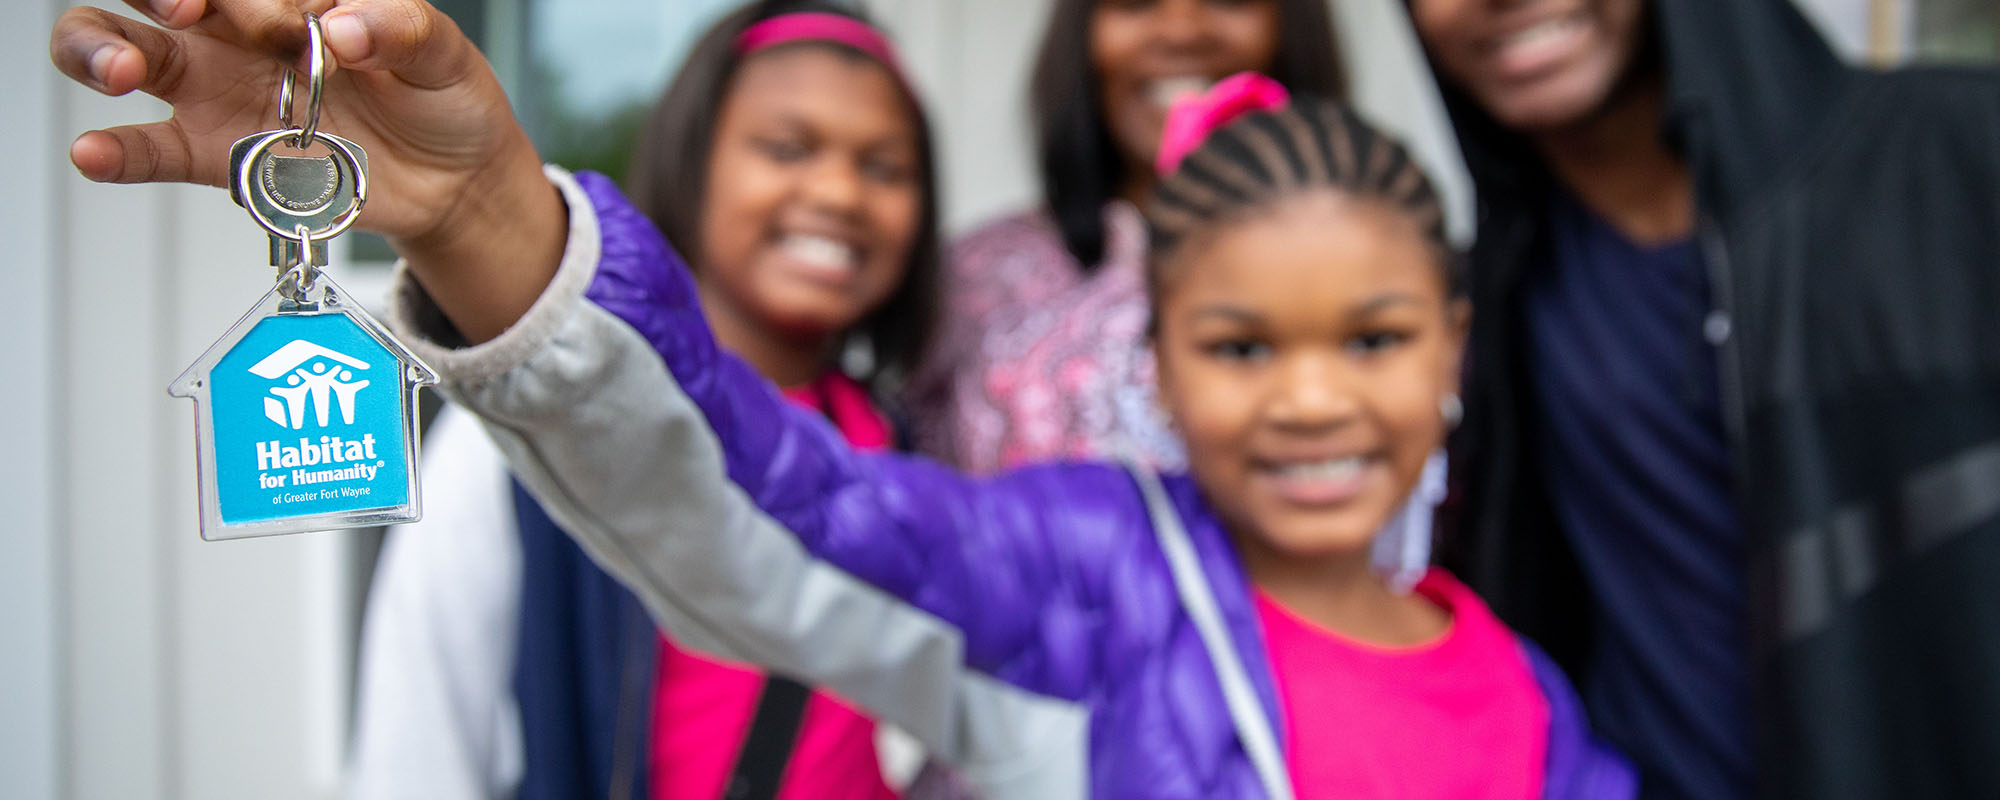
point(305, 411)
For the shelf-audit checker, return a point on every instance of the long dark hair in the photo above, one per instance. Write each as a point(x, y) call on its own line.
point(1081, 168)
point(668, 181)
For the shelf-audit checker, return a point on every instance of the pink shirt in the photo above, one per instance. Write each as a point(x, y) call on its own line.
point(1038, 360)
point(702, 707)
point(1459, 717)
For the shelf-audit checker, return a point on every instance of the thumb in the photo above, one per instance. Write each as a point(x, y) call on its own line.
point(407, 38)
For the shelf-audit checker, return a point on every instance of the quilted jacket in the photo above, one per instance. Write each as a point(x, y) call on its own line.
point(1025, 627)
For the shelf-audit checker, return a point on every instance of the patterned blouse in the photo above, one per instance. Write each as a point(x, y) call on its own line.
point(1038, 360)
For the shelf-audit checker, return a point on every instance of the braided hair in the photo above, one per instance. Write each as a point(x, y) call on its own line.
point(1264, 157)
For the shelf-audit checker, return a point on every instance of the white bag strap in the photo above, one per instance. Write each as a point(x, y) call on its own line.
point(1253, 726)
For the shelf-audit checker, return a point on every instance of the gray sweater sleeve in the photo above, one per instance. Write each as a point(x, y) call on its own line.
point(598, 430)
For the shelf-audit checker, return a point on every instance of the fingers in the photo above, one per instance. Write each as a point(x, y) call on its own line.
point(408, 38)
point(274, 27)
point(114, 55)
point(219, 82)
point(155, 152)
point(174, 14)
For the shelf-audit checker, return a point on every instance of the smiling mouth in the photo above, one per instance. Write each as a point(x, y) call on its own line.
point(1539, 46)
point(821, 256)
point(1164, 92)
point(1323, 482)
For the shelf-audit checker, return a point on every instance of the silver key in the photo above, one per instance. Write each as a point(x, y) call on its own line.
point(284, 192)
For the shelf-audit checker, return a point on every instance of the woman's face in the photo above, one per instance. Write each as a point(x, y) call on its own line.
point(1303, 354)
point(1534, 65)
point(814, 192)
point(1149, 53)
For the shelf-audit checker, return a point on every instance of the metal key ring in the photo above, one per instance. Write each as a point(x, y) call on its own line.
point(315, 84)
point(308, 271)
point(346, 160)
point(297, 280)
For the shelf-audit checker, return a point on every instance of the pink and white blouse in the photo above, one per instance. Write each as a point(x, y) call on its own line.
point(1037, 360)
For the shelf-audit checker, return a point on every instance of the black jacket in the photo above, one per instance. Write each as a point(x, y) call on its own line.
point(1851, 222)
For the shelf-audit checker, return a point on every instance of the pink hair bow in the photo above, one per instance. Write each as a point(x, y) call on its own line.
point(1193, 118)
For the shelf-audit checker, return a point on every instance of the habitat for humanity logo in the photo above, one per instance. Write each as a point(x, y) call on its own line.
point(311, 374)
point(317, 380)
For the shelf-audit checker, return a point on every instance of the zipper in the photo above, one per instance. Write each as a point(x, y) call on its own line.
point(1719, 329)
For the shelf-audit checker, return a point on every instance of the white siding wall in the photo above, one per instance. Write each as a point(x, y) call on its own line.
point(31, 714)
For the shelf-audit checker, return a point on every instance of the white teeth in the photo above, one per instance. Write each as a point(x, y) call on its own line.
point(1166, 91)
point(1338, 469)
point(1543, 32)
point(820, 251)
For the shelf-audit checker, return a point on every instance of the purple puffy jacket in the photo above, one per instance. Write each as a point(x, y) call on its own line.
point(1026, 628)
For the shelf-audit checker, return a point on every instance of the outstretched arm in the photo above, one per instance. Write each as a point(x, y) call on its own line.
point(457, 187)
point(971, 628)
point(960, 610)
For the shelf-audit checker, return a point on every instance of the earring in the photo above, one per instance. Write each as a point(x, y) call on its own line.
point(1401, 553)
point(1452, 409)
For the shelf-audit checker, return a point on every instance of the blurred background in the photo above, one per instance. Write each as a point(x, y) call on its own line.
point(137, 661)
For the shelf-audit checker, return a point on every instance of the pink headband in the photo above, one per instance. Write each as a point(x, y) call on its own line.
point(1192, 119)
point(819, 26)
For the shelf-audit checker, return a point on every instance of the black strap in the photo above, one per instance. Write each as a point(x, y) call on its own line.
point(774, 730)
point(760, 765)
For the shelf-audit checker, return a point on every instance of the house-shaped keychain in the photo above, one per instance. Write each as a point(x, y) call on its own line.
point(305, 419)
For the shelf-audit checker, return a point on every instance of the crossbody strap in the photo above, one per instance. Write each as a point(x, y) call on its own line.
point(767, 748)
point(1253, 725)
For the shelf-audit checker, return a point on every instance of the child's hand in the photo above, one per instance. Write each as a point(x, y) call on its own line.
point(409, 88)
point(453, 177)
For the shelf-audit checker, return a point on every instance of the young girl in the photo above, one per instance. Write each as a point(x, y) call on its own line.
point(1043, 353)
point(794, 166)
point(1061, 630)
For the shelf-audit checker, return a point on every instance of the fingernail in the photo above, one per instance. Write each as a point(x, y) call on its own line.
point(100, 62)
point(346, 36)
point(97, 167)
point(163, 10)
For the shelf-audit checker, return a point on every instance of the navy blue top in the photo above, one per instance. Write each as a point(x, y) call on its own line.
point(583, 670)
point(1637, 466)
